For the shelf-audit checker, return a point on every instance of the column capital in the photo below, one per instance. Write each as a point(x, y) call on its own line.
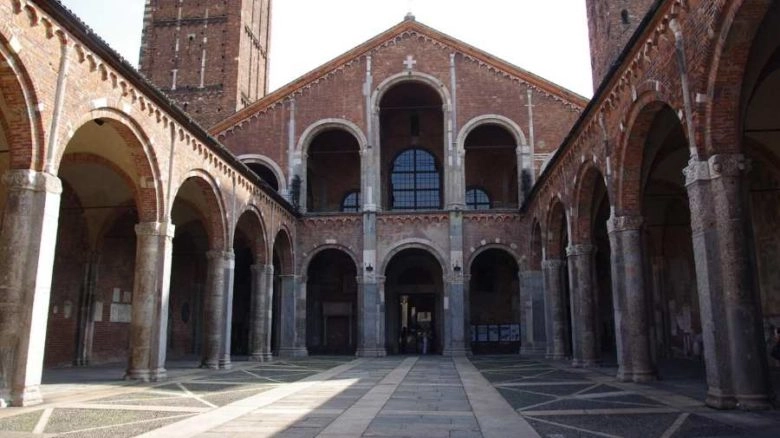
point(624, 223)
point(720, 165)
point(215, 254)
point(552, 263)
point(166, 229)
point(580, 249)
point(26, 179)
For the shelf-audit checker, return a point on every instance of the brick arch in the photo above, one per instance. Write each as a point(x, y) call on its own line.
point(496, 246)
point(215, 212)
point(423, 244)
point(149, 199)
point(284, 246)
point(320, 126)
point(411, 76)
point(306, 263)
point(25, 137)
point(270, 164)
point(256, 232)
point(630, 154)
point(553, 237)
point(490, 119)
point(727, 67)
point(582, 213)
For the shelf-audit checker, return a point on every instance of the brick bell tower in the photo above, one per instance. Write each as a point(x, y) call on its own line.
point(210, 57)
point(611, 23)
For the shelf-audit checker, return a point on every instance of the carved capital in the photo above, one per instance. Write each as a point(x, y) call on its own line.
point(219, 255)
point(581, 249)
point(728, 165)
point(624, 223)
point(25, 179)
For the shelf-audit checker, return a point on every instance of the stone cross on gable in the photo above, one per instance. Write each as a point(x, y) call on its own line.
point(410, 62)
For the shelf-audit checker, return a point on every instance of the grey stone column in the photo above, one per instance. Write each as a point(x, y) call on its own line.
point(557, 323)
point(291, 309)
point(368, 304)
point(27, 240)
point(630, 301)
point(734, 351)
point(86, 317)
point(213, 309)
point(467, 314)
point(455, 311)
point(532, 317)
point(151, 285)
point(582, 307)
point(262, 284)
point(229, 267)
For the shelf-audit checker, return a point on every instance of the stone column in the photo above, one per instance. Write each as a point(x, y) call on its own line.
point(456, 314)
point(86, 317)
point(213, 309)
point(630, 301)
point(229, 268)
point(555, 308)
point(262, 285)
point(532, 317)
point(151, 284)
point(737, 374)
point(368, 317)
point(289, 339)
point(582, 307)
point(467, 315)
point(27, 240)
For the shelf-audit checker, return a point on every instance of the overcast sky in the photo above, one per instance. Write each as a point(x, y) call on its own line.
point(546, 37)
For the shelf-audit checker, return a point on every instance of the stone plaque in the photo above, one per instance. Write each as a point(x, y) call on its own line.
point(121, 312)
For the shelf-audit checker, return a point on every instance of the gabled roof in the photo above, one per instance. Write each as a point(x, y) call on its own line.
point(409, 25)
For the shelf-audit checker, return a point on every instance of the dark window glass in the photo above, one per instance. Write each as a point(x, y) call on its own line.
point(415, 181)
point(477, 199)
point(351, 202)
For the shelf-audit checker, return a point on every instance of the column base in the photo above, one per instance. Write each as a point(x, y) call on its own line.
point(158, 375)
point(30, 396)
point(212, 364)
point(371, 352)
point(555, 356)
point(720, 401)
point(260, 357)
point(143, 375)
point(225, 364)
point(753, 402)
point(293, 352)
point(456, 352)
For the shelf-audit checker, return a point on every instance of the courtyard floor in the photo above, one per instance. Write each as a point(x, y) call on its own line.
point(403, 396)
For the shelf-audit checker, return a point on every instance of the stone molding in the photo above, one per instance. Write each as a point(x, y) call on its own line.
point(616, 224)
point(150, 229)
point(579, 250)
point(728, 165)
point(553, 264)
point(26, 179)
point(220, 255)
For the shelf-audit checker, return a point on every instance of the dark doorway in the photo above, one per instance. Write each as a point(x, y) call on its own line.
point(494, 303)
point(331, 304)
point(414, 308)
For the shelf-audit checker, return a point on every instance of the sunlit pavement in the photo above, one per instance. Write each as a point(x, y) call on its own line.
point(428, 396)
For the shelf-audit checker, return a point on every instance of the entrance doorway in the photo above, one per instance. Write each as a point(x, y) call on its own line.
point(414, 307)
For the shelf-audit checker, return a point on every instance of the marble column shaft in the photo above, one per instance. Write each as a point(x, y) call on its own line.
point(737, 374)
point(151, 284)
point(227, 313)
point(214, 309)
point(262, 284)
point(27, 241)
point(292, 339)
point(629, 300)
point(531, 320)
point(555, 308)
point(582, 306)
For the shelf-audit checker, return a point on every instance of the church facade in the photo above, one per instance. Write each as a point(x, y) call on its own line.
point(415, 195)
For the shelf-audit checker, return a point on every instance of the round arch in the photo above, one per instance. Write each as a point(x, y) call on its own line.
point(260, 248)
point(491, 246)
point(270, 164)
point(285, 251)
point(411, 76)
point(306, 262)
point(26, 142)
point(141, 158)
point(316, 128)
point(630, 155)
point(585, 183)
point(216, 226)
point(416, 243)
point(490, 119)
point(557, 224)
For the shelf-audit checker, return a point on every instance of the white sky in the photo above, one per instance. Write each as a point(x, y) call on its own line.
point(546, 37)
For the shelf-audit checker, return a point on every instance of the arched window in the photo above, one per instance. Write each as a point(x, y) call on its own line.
point(477, 199)
point(414, 181)
point(351, 202)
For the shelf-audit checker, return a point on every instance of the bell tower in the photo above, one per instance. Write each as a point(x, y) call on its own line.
point(210, 57)
point(611, 23)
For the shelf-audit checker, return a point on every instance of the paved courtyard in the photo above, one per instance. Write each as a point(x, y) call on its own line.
point(428, 396)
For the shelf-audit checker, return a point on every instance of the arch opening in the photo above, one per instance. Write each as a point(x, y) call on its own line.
point(494, 303)
point(491, 167)
point(331, 303)
point(333, 170)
